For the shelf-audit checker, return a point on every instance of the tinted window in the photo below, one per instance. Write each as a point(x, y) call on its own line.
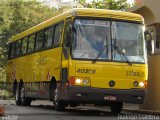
point(49, 37)
point(39, 39)
point(31, 43)
point(18, 47)
point(58, 33)
point(24, 45)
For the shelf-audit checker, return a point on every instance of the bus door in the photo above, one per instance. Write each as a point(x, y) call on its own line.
point(65, 57)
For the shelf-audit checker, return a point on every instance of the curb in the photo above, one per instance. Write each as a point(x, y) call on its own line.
point(141, 111)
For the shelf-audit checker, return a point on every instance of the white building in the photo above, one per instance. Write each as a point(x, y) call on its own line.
point(59, 3)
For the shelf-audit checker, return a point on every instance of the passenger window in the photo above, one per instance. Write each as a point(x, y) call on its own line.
point(49, 36)
point(12, 49)
point(31, 43)
point(39, 39)
point(58, 33)
point(18, 47)
point(24, 45)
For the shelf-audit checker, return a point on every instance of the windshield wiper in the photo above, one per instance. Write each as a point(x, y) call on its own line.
point(122, 52)
point(99, 54)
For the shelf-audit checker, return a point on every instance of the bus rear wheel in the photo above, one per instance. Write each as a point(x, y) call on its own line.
point(58, 105)
point(24, 100)
point(116, 107)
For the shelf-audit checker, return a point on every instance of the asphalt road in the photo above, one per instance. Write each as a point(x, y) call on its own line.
point(43, 110)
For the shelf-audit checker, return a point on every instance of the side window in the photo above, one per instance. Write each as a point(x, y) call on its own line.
point(39, 39)
point(58, 33)
point(49, 36)
point(12, 49)
point(31, 43)
point(24, 45)
point(18, 47)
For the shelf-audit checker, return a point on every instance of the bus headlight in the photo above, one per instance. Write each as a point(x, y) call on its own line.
point(78, 81)
point(141, 84)
point(85, 81)
point(82, 81)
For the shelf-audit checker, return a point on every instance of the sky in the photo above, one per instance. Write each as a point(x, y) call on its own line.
point(130, 1)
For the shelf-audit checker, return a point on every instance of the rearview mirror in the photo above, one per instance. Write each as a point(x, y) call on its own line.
point(66, 52)
point(69, 36)
point(150, 46)
point(149, 42)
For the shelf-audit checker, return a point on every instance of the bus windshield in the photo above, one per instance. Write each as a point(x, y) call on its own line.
point(128, 36)
point(89, 39)
point(91, 36)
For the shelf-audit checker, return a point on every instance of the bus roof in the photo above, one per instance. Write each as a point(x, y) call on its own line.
point(86, 12)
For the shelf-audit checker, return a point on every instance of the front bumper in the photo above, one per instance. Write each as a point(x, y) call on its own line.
point(96, 95)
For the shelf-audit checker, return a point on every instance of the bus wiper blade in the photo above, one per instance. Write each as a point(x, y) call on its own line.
point(122, 52)
point(99, 54)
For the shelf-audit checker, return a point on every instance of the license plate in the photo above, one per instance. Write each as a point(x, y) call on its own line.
point(110, 98)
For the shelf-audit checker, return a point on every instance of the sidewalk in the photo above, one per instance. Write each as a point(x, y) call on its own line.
point(135, 109)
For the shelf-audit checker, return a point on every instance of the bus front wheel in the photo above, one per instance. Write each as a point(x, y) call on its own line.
point(58, 105)
point(24, 100)
point(116, 107)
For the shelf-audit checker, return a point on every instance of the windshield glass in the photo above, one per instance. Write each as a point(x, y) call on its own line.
point(90, 38)
point(128, 36)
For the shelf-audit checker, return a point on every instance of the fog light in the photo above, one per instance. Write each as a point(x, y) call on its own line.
point(135, 83)
point(78, 81)
point(141, 84)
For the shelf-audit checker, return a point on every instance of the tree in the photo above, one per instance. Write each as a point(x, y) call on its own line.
point(17, 16)
point(105, 4)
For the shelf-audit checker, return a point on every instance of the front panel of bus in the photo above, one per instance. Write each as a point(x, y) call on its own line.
point(108, 61)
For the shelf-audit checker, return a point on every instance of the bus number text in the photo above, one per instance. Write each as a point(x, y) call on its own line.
point(87, 71)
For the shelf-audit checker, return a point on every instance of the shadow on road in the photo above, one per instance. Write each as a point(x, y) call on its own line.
point(77, 111)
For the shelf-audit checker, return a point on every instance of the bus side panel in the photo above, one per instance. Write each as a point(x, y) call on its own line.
point(37, 90)
point(50, 66)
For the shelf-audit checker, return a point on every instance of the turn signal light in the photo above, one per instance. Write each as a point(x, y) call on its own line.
point(72, 80)
point(145, 83)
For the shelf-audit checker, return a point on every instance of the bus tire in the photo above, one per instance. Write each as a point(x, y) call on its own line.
point(52, 87)
point(116, 107)
point(17, 95)
point(58, 105)
point(24, 100)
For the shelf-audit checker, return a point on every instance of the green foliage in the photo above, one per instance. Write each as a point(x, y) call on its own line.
point(2, 74)
point(5, 95)
point(17, 16)
point(105, 4)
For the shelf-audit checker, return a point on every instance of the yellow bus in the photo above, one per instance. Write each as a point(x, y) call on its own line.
point(82, 56)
